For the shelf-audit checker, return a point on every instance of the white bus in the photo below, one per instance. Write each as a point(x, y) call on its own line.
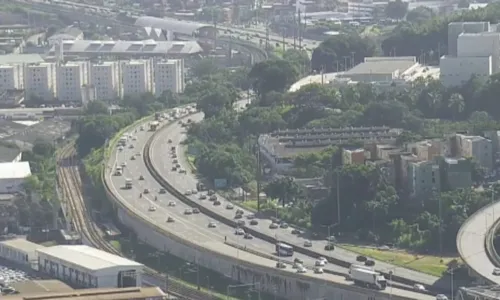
point(283, 249)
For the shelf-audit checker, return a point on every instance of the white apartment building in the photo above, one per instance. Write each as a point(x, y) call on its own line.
point(11, 77)
point(168, 76)
point(40, 80)
point(482, 44)
point(456, 71)
point(477, 147)
point(105, 80)
point(136, 77)
point(71, 77)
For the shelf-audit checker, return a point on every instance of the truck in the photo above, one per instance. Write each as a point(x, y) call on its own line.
point(153, 125)
point(128, 184)
point(368, 278)
point(158, 116)
point(200, 187)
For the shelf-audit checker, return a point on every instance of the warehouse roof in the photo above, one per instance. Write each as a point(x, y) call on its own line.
point(10, 170)
point(87, 257)
point(40, 286)
point(129, 47)
point(95, 294)
point(8, 59)
point(381, 66)
point(22, 245)
point(178, 26)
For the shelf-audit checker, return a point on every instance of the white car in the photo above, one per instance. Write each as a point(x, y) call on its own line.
point(120, 148)
point(301, 270)
point(212, 225)
point(229, 206)
point(239, 231)
point(419, 287)
point(318, 270)
point(441, 297)
point(496, 271)
point(297, 265)
point(171, 203)
point(323, 259)
point(123, 164)
point(196, 211)
point(152, 208)
point(187, 193)
point(188, 211)
point(319, 263)
point(308, 244)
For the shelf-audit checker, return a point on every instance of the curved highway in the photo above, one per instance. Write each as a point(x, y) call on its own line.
point(188, 182)
point(472, 239)
point(195, 227)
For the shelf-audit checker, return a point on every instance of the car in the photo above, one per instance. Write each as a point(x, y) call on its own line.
point(169, 141)
point(319, 263)
point(418, 287)
point(384, 248)
point(202, 197)
point(188, 211)
point(229, 206)
point(118, 173)
point(248, 236)
point(361, 258)
point(273, 226)
point(174, 168)
point(284, 225)
point(496, 271)
point(238, 216)
point(175, 161)
point(177, 166)
point(296, 265)
point(142, 128)
point(170, 220)
point(187, 193)
point(296, 231)
point(239, 231)
point(131, 146)
point(146, 191)
point(441, 297)
point(120, 148)
point(251, 217)
point(331, 239)
point(308, 243)
point(318, 270)
point(369, 263)
point(280, 265)
point(132, 157)
point(123, 164)
point(254, 222)
point(196, 211)
point(174, 155)
point(213, 198)
point(240, 223)
point(152, 208)
point(301, 270)
point(141, 177)
point(134, 138)
point(239, 211)
point(217, 203)
point(329, 247)
point(211, 192)
point(182, 171)
point(212, 224)
point(138, 154)
point(194, 191)
point(171, 203)
point(323, 259)
point(163, 191)
point(298, 260)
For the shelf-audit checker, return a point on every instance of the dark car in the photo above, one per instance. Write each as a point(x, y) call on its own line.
point(369, 263)
point(329, 247)
point(361, 258)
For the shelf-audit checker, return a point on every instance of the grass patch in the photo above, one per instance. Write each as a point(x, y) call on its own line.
point(190, 160)
point(116, 244)
point(428, 264)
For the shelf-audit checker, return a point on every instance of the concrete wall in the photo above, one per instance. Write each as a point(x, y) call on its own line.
point(456, 71)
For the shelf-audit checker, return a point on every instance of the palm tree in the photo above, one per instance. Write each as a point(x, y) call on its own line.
point(457, 104)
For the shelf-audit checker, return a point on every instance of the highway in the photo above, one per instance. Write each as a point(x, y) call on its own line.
point(471, 242)
point(194, 227)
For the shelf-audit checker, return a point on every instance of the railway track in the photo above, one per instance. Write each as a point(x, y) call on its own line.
point(70, 182)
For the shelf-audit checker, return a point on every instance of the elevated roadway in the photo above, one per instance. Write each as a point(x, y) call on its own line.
point(188, 182)
point(472, 243)
point(194, 227)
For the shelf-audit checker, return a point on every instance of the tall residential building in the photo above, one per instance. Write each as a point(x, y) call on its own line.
point(481, 44)
point(457, 28)
point(136, 77)
point(424, 178)
point(40, 81)
point(455, 173)
point(71, 77)
point(105, 80)
point(353, 156)
point(11, 77)
point(476, 147)
point(429, 149)
point(169, 76)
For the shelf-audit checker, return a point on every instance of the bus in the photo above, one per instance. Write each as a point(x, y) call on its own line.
point(283, 249)
point(128, 184)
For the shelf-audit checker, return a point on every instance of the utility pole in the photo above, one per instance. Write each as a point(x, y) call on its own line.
point(267, 31)
point(352, 58)
point(345, 62)
point(258, 176)
point(283, 42)
point(214, 19)
point(299, 30)
point(294, 31)
point(338, 197)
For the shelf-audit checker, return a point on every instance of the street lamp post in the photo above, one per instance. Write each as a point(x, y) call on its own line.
point(255, 285)
point(390, 281)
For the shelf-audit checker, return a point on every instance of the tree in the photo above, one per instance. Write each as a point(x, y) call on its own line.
point(285, 189)
point(420, 14)
point(214, 101)
point(299, 58)
point(396, 9)
point(338, 51)
point(96, 108)
point(204, 68)
point(273, 75)
point(457, 104)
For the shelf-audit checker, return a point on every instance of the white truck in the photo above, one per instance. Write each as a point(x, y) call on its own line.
point(368, 278)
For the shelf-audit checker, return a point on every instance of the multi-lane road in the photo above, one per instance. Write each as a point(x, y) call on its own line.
point(194, 227)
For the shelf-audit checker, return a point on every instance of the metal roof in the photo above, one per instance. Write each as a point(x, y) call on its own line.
point(8, 59)
point(129, 47)
point(382, 66)
point(11, 170)
point(22, 245)
point(87, 257)
point(177, 26)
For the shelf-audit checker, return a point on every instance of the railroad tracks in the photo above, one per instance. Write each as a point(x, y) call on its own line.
point(71, 185)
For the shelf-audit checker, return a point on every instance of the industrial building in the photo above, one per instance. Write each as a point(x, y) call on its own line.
point(170, 29)
point(88, 267)
point(12, 176)
point(20, 251)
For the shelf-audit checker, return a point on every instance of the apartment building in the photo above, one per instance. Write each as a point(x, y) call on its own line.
point(40, 81)
point(105, 80)
point(11, 77)
point(353, 156)
point(136, 77)
point(429, 149)
point(423, 178)
point(456, 173)
point(168, 76)
point(477, 147)
point(71, 77)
